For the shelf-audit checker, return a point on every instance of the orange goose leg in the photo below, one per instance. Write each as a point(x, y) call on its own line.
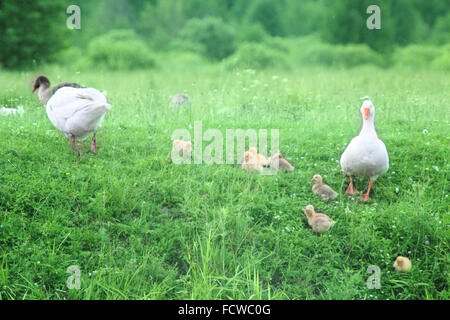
point(74, 144)
point(365, 197)
point(94, 144)
point(351, 189)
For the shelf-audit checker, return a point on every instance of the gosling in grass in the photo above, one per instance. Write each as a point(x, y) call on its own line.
point(322, 190)
point(319, 222)
point(402, 264)
point(180, 99)
point(253, 161)
point(184, 146)
point(277, 162)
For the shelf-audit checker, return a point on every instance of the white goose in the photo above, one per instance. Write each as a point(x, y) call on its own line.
point(366, 155)
point(74, 110)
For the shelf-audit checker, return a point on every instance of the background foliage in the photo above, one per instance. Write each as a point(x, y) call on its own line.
point(30, 31)
point(35, 32)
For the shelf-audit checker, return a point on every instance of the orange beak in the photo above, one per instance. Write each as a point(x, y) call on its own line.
point(366, 113)
point(33, 89)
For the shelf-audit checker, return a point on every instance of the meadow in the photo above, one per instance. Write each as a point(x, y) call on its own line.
point(140, 227)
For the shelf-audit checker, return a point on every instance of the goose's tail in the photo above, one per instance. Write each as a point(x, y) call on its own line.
point(97, 105)
point(88, 119)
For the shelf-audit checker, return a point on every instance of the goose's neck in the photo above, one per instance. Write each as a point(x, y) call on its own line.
point(368, 128)
point(43, 93)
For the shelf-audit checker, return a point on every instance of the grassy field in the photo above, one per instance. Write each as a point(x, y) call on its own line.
point(140, 227)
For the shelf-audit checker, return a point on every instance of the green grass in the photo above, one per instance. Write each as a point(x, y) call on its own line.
point(141, 227)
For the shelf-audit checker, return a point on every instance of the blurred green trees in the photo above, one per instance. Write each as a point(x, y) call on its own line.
point(30, 31)
point(401, 23)
point(441, 30)
point(256, 56)
point(209, 36)
point(267, 13)
point(36, 30)
point(119, 50)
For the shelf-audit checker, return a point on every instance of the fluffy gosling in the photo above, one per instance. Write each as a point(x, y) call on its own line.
point(179, 100)
point(277, 162)
point(319, 222)
point(402, 264)
point(184, 146)
point(322, 190)
point(253, 161)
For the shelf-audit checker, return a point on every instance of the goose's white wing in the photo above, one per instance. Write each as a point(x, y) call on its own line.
point(365, 156)
point(77, 111)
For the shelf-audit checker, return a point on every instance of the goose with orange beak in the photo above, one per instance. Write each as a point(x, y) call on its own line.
point(366, 155)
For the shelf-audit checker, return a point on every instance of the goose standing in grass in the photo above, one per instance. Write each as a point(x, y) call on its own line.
point(366, 155)
point(73, 109)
